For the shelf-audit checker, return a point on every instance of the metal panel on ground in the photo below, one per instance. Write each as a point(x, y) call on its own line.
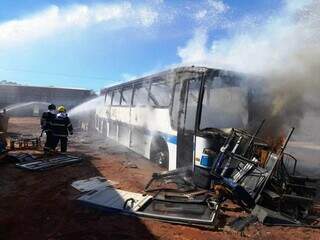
point(92, 183)
point(45, 164)
point(199, 214)
point(22, 157)
point(145, 206)
point(111, 199)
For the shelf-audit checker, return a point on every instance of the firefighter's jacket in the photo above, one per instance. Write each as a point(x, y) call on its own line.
point(46, 120)
point(61, 125)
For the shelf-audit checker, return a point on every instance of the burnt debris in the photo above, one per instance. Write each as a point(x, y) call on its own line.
point(258, 176)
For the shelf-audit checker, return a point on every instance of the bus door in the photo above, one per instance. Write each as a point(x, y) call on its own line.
point(186, 121)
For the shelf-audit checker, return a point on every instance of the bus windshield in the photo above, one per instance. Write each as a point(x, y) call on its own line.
point(225, 103)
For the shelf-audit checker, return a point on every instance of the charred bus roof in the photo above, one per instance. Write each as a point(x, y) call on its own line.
point(192, 69)
point(157, 75)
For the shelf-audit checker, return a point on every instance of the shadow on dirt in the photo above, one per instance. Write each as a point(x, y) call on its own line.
point(40, 205)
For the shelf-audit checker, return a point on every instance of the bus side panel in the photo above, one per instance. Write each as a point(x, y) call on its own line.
point(156, 119)
point(172, 155)
point(140, 141)
point(124, 134)
point(121, 114)
point(156, 122)
point(101, 119)
point(139, 135)
point(113, 129)
point(121, 118)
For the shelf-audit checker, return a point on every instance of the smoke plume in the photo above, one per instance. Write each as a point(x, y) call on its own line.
point(284, 50)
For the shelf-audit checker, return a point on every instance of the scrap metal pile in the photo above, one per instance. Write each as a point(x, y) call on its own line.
point(256, 176)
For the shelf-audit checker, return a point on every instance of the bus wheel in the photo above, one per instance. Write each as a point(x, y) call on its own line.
point(159, 152)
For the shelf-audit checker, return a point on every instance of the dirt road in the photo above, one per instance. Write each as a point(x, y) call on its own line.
point(41, 205)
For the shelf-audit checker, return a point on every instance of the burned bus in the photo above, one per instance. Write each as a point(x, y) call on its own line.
point(198, 122)
point(172, 117)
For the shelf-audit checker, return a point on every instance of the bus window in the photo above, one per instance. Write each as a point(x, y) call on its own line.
point(116, 98)
point(140, 96)
point(160, 94)
point(192, 103)
point(175, 105)
point(108, 98)
point(224, 104)
point(126, 97)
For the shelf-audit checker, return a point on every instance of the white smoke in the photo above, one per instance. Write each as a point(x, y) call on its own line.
point(282, 42)
point(284, 49)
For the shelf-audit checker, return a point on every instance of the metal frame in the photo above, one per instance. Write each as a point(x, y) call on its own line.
point(49, 163)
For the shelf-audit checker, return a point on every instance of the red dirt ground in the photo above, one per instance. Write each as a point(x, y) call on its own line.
point(41, 205)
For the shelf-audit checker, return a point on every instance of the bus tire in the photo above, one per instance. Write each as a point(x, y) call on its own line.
point(159, 152)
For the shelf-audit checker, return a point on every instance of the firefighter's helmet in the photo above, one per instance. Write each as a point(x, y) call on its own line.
point(61, 109)
point(52, 107)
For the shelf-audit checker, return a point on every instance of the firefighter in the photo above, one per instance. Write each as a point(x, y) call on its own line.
point(45, 123)
point(61, 128)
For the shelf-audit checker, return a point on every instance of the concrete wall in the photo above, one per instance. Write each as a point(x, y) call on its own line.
point(14, 94)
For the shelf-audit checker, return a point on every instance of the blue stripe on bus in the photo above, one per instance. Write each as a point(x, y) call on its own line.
point(171, 138)
point(167, 137)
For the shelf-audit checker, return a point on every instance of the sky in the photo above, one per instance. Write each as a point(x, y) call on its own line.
point(92, 44)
